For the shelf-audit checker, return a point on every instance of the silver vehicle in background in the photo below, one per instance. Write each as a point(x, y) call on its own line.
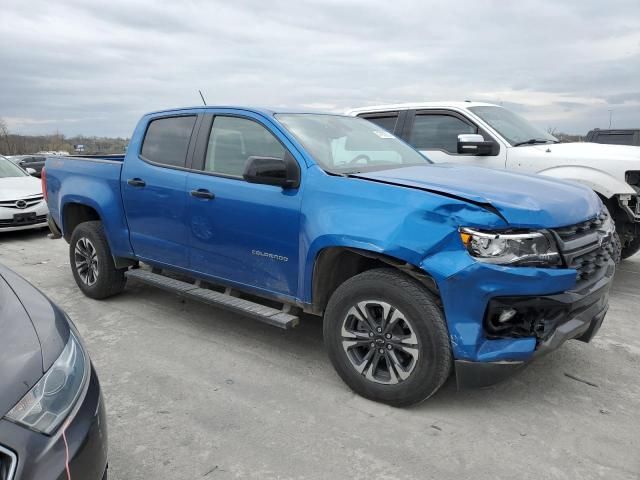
point(22, 204)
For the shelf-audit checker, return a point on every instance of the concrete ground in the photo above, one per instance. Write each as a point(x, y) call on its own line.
point(195, 392)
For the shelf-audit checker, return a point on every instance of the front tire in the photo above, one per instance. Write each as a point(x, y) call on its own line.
point(387, 338)
point(92, 263)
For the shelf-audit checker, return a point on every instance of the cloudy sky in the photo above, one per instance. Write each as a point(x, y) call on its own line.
point(93, 67)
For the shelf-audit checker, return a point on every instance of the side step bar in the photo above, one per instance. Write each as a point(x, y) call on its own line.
point(272, 316)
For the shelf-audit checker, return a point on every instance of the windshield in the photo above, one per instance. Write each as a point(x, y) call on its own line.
point(349, 144)
point(513, 128)
point(8, 169)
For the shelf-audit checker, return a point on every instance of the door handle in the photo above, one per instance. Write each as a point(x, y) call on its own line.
point(203, 193)
point(136, 182)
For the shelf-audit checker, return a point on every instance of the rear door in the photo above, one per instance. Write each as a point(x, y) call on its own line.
point(153, 189)
point(435, 133)
point(242, 233)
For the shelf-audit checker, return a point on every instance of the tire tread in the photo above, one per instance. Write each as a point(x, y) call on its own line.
point(111, 280)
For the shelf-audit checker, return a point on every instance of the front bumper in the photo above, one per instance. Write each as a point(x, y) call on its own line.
point(581, 315)
point(9, 222)
point(42, 457)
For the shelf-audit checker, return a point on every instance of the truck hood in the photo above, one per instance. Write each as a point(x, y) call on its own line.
point(528, 201)
point(33, 333)
point(584, 153)
point(13, 188)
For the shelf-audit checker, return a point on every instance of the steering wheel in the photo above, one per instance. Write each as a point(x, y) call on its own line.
point(358, 159)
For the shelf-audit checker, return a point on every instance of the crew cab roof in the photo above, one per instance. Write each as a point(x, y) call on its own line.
point(419, 105)
point(259, 110)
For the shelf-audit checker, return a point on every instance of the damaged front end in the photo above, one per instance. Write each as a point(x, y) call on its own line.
point(547, 321)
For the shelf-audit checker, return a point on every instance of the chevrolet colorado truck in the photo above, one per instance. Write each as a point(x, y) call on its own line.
point(474, 133)
point(418, 269)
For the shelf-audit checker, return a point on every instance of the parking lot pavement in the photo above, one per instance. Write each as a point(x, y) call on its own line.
point(195, 392)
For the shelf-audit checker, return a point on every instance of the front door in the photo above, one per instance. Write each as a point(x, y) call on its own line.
point(243, 233)
point(435, 133)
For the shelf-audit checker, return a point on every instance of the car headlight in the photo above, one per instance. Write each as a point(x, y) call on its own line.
point(49, 402)
point(522, 249)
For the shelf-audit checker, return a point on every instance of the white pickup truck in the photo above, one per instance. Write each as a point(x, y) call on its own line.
point(492, 136)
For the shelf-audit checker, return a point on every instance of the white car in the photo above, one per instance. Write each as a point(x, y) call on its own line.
point(492, 136)
point(22, 205)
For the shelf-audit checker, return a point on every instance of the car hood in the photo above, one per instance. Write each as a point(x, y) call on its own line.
point(528, 201)
point(12, 188)
point(585, 152)
point(33, 332)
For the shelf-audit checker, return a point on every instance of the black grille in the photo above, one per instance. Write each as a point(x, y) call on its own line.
point(590, 264)
point(584, 228)
point(588, 247)
point(8, 463)
point(11, 222)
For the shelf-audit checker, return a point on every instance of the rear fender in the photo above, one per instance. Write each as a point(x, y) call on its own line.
point(105, 199)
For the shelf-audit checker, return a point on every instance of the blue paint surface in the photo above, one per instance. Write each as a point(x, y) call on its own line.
point(412, 214)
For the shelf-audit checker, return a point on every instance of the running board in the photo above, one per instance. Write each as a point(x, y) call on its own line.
point(272, 316)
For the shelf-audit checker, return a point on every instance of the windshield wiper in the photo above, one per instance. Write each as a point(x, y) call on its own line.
point(534, 141)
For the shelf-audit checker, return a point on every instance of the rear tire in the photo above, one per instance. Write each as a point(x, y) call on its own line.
point(92, 263)
point(386, 337)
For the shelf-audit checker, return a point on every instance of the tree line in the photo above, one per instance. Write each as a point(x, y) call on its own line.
point(16, 144)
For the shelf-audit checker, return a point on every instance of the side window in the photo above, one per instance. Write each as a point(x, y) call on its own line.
point(438, 132)
point(388, 122)
point(167, 140)
point(233, 140)
point(614, 138)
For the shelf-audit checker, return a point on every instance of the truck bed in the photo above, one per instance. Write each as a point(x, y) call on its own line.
point(93, 182)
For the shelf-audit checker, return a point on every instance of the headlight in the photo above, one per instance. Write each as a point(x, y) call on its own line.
point(49, 402)
point(523, 249)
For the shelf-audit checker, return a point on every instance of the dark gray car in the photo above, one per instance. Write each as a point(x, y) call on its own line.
point(36, 162)
point(50, 399)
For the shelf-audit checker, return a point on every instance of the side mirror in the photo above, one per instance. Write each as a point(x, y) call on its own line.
point(283, 173)
point(474, 144)
point(30, 171)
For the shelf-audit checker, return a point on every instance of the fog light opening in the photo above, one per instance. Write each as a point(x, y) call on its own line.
point(506, 315)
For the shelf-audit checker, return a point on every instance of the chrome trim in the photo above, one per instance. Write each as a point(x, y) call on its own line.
point(495, 236)
point(470, 137)
point(14, 461)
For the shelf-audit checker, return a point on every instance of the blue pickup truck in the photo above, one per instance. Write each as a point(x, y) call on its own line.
point(417, 269)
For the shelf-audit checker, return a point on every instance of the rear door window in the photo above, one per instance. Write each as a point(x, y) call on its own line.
point(167, 140)
point(388, 122)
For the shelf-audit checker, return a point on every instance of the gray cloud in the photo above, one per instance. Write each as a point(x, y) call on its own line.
point(92, 67)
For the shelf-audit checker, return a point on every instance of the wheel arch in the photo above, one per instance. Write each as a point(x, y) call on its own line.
point(75, 213)
point(335, 265)
point(603, 183)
